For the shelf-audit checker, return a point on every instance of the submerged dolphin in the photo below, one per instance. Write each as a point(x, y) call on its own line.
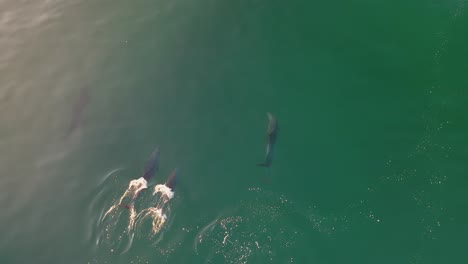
point(152, 166)
point(272, 133)
point(78, 110)
point(172, 180)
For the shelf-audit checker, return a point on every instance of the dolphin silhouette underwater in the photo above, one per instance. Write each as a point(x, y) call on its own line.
point(272, 133)
point(78, 111)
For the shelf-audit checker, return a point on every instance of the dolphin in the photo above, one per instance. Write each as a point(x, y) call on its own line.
point(272, 133)
point(78, 110)
point(172, 180)
point(166, 189)
point(152, 165)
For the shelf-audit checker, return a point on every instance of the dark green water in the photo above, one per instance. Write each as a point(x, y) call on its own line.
point(371, 98)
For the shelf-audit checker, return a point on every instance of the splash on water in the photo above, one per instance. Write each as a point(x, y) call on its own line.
point(132, 218)
point(159, 212)
point(128, 199)
point(157, 215)
point(165, 191)
point(115, 217)
point(256, 230)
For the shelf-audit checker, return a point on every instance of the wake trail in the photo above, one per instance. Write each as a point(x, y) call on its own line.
point(128, 199)
point(159, 212)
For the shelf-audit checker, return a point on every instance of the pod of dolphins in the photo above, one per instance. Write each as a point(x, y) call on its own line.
point(151, 168)
point(152, 165)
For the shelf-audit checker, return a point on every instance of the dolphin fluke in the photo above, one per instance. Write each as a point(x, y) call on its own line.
point(172, 180)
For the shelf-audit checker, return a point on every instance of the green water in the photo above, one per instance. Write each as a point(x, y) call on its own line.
point(369, 166)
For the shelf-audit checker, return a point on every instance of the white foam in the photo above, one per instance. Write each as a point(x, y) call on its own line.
point(159, 218)
point(137, 185)
point(164, 190)
point(157, 213)
point(134, 188)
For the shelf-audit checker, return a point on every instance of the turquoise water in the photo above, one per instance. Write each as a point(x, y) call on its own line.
point(369, 165)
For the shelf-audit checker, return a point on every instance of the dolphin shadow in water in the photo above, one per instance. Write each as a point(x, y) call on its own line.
point(78, 110)
point(272, 134)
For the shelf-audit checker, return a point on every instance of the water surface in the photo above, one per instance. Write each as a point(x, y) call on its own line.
point(370, 163)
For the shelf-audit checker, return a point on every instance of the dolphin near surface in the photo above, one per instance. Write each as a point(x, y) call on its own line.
point(152, 165)
point(172, 180)
point(272, 133)
point(140, 184)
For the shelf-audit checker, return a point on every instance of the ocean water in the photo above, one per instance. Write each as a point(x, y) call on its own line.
point(369, 167)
